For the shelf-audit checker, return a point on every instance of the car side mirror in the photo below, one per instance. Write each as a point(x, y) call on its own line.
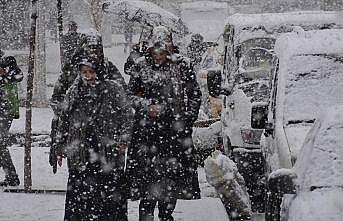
point(269, 129)
point(281, 181)
point(214, 82)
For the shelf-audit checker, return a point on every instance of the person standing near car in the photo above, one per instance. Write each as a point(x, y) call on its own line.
point(93, 132)
point(196, 49)
point(10, 74)
point(70, 43)
point(162, 165)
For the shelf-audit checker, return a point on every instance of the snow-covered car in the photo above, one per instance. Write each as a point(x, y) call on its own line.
point(249, 61)
point(313, 190)
point(308, 77)
point(249, 44)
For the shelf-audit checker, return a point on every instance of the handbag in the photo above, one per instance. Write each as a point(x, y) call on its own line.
point(12, 99)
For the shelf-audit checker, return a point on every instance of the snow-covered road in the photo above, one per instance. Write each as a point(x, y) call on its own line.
point(50, 207)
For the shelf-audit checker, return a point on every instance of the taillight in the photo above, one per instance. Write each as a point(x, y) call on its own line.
point(259, 117)
point(251, 136)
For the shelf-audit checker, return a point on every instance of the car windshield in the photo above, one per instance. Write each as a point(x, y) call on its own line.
point(244, 47)
point(256, 59)
point(313, 82)
point(257, 91)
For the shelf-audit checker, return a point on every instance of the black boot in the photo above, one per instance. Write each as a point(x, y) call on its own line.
point(12, 180)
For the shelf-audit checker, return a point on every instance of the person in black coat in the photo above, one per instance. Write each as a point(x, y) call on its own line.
point(91, 46)
point(162, 162)
point(9, 73)
point(93, 132)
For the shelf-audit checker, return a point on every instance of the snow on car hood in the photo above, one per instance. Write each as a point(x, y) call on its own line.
point(320, 162)
point(296, 135)
point(319, 205)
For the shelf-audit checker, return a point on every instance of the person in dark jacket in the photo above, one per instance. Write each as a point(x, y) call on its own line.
point(91, 46)
point(70, 43)
point(166, 97)
point(93, 133)
point(9, 73)
point(196, 49)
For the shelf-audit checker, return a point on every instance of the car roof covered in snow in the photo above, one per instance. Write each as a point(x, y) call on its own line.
point(273, 19)
point(263, 25)
point(328, 41)
point(320, 162)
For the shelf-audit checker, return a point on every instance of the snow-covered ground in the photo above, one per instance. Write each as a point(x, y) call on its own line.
point(50, 207)
point(33, 207)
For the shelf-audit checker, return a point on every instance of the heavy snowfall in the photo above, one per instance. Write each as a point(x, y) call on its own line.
point(146, 110)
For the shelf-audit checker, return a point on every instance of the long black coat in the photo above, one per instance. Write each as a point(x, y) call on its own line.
point(162, 147)
point(93, 124)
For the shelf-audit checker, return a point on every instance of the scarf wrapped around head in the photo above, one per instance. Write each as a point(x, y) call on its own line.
point(161, 38)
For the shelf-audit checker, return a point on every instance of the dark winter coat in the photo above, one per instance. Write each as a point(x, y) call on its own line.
point(9, 102)
point(94, 124)
point(162, 147)
point(195, 51)
point(98, 118)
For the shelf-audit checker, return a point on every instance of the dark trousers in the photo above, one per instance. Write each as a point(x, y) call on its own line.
point(93, 195)
point(165, 209)
point(5, 157)
point(161, 193)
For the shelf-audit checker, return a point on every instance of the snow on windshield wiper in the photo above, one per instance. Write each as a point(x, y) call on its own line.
point(290, 122)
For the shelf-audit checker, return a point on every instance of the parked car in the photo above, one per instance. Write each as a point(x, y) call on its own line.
point(308, 77)
point(249, 62)
point(249, 44)
point(313, 190)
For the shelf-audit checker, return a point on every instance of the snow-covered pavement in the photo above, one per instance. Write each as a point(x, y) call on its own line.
point(49, 207)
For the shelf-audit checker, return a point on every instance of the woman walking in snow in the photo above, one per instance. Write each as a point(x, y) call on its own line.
point(93, 133)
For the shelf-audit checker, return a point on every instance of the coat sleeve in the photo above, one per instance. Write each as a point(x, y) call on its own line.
point(136, 90)
point(60, 89)
point(63, 125)
point(192, 91)
point(126, 116)
point(13, 72)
